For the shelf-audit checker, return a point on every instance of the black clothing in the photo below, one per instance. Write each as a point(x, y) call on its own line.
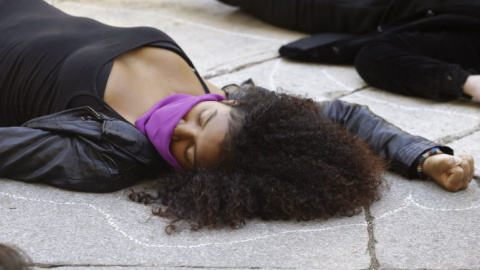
point(429, 56)
point(432, 65)
point(83, 150)
point(345, 16)
point(337, 48)
point(47, 58)
point(78, 149)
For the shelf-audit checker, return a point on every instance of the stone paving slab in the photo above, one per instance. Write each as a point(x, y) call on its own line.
point(419, 225)
point(415, 225)
point(96, 267)
point(58, 227)
point(316, 81)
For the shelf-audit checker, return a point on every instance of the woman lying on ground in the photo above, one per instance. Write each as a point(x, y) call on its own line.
point(90, 107)
point(419, 48)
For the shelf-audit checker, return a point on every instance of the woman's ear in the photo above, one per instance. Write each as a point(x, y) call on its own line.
point(231, 102)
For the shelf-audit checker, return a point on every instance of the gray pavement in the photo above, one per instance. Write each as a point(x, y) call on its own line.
point(416, 224)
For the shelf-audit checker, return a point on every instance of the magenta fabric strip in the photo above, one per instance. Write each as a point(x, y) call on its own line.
point(160, 121)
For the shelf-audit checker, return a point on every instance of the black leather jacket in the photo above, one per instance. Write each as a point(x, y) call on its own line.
point(80, 149)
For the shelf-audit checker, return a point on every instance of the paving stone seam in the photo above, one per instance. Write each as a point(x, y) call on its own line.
point(357, 90)
point(451, 138)
point(371, 246)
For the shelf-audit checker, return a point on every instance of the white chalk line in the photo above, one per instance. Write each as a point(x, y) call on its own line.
point(111, 221)
point(409, 201)
point(187, 22)
point(324, 71)
point(404, 206)
point(272, 74)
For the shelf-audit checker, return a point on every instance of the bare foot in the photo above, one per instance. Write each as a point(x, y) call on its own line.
point(454, 173)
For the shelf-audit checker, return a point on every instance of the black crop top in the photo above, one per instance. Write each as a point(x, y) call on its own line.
point(48, 59)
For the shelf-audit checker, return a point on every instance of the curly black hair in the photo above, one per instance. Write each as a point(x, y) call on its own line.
point(282, 160)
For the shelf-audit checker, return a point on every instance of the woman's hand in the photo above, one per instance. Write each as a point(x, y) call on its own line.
point(454, 173)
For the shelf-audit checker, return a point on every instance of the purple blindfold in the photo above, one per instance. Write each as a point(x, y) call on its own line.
point(160, 121)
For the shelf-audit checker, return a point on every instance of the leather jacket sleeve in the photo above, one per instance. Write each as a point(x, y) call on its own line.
point(401, 149)
point(78, 150)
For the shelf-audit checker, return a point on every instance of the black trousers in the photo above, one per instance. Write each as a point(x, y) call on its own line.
point(348, 16)
point(432, 65)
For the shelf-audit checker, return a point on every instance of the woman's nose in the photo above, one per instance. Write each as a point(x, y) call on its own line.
point(183, 130)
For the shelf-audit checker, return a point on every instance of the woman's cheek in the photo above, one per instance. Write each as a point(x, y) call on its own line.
point(176, 150)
